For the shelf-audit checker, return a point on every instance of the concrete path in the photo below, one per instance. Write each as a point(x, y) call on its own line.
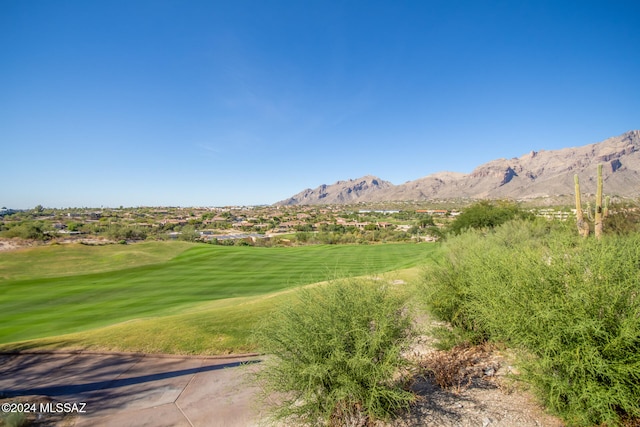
point(138, 390)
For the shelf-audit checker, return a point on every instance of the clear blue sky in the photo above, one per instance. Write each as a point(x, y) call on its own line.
point(198, 103)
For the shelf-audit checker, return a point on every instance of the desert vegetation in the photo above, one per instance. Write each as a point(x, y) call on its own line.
point(501, 277)
point(487, 214)
point(568, 304)
point(337, 350)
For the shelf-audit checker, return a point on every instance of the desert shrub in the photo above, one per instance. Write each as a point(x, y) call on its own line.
point(303, 237)
point(188, 233)
point(487, 214)
point(336, 355)
point(571, 303)
point(622, 219)
point(122, 232)
point(27, 231)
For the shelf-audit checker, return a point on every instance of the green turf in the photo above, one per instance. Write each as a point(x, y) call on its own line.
point(43, 307)
point(71, 259)
point(211, 328)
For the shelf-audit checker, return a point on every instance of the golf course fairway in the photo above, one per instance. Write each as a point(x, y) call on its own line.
point(205, 291)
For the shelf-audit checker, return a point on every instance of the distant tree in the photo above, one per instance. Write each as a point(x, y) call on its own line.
point(304, 227)
point(302, 237)
point(189, 233)
point(73, 226)
point(425, 221)
point(486, 214)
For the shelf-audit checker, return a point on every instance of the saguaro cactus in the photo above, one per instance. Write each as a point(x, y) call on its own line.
point(598, 221)
point(583, 227)
point(600, 213)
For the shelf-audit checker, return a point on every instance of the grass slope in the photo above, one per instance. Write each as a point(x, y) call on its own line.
point(46, 307)
point(72, 259)
point(214, 327)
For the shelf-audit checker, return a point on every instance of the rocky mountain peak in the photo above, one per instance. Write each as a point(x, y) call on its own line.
point(350, 191)
point(536, 174)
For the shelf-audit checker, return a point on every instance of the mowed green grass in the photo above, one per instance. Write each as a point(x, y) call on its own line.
point(181, 287)
point(71, 259)
point(211, 328)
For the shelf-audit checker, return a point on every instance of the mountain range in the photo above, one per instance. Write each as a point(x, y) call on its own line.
point(538, 174)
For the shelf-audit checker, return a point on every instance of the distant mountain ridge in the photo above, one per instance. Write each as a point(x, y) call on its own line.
point(536, 174)
point(342, 192)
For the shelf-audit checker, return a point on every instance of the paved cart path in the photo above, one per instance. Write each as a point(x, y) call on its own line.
point(136, 390)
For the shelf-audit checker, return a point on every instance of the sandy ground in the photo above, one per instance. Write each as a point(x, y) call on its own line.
point(17, 244)
point(14, 244)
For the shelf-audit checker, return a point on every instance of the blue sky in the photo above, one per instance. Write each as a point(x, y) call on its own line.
point(211, 103)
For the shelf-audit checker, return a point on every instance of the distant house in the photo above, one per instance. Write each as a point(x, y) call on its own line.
point(438, 212)
point(385, 225)
point(241, 224)
point(382, 211)
point(290, 224)
point(217, 220)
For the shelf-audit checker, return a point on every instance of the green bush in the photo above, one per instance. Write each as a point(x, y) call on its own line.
point(487, 214)
point(14, 419)
point(122, 232)
point(571, 303)
point(622, 219)
point(29, 231)
point(336, 355)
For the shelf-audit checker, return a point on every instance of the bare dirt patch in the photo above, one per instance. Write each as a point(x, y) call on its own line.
point(483, 403)
point(469, 386)
point(15, 244)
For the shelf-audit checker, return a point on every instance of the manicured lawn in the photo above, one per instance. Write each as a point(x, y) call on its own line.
point(52, 306)
point(72, 259)
point(216, 327)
